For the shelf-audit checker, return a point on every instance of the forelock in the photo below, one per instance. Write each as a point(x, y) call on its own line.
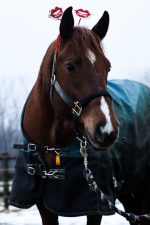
point(82, 40)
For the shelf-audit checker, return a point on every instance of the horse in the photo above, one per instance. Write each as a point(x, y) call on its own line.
point(70, 99)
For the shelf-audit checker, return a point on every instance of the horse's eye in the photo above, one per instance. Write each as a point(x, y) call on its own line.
point(70, 67)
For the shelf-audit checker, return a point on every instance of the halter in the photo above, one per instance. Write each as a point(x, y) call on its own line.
point(76, 106)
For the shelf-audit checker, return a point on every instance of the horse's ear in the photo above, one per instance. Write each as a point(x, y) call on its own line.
point(102, 26)
point(67, 23)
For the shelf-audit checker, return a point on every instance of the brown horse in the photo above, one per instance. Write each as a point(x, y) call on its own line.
point(77, 62)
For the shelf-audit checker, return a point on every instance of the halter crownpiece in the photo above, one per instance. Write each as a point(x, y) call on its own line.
point(57, 43)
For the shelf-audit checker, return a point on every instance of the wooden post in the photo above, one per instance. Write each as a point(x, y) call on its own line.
point(5, 178)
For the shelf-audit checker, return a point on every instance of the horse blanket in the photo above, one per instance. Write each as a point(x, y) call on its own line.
point(127, 162)
point(131, 155)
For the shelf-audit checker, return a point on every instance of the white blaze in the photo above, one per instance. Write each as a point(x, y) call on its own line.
point(108, 128)
point(91, 57)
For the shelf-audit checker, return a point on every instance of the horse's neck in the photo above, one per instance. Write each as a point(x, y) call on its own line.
point(41, 124)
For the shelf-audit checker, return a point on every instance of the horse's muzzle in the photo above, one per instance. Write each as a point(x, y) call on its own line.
point(102, 140)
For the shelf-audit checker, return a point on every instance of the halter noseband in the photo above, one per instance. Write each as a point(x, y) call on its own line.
point(76, 106)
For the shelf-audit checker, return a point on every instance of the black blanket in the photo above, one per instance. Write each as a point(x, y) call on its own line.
point(67, 197)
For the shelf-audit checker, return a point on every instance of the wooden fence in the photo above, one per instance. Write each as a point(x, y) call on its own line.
point(6, 173)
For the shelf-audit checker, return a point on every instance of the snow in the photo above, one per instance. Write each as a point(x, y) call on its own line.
point(31, 217)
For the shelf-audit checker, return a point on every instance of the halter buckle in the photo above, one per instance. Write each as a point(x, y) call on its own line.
point(77, 110)
point(53, 78)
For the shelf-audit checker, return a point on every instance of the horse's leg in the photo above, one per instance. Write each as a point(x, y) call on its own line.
point(137, 205)
point(94, 220)
point(47, 217)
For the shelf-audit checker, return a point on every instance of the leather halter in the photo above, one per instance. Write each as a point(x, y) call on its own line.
point(76, 106)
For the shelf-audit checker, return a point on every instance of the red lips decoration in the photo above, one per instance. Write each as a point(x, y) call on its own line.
point(82, 13)
point(56, 13)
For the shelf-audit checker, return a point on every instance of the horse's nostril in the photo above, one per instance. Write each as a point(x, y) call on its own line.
point(99, 135)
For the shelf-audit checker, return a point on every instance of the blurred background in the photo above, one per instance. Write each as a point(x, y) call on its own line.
point(25, 34)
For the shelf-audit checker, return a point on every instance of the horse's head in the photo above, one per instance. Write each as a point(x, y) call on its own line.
point(81, 70)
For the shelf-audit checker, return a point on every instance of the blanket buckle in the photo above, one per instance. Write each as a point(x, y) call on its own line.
point(31, 170)
point(54, 174)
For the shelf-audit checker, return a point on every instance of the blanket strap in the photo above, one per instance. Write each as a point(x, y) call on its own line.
point(39, 168)
point(30, 147)
point(94, 187)
point(36, 169)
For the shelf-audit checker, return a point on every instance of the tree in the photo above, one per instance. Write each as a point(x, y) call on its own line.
point(9, 119)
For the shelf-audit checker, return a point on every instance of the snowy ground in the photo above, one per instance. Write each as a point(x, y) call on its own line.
point(31, 217)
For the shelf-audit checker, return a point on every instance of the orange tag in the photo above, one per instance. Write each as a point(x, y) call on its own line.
point(58, 160)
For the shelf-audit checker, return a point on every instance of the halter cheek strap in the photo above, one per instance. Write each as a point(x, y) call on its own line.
point(76, 106)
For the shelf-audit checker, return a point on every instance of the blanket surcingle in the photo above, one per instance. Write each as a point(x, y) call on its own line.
point(127, 162)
